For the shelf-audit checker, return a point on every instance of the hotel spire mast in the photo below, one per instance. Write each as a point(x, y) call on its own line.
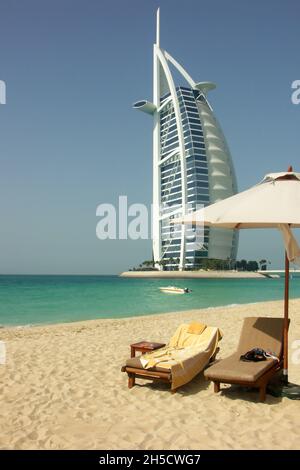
point(158, 27)
point(156, 232)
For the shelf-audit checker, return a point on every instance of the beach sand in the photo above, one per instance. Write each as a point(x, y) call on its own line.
point(62, 388)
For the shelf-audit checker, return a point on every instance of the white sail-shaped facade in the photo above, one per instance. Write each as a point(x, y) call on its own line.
point(191, 164)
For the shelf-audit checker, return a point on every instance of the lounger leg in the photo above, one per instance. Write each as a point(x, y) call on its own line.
point(131, 380)
point(262, 393)
point(216, 387)
point(174, 391)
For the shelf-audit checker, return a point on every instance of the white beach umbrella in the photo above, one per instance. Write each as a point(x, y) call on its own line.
point(273, 203)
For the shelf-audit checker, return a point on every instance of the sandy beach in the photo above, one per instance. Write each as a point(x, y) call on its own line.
point(62, 388)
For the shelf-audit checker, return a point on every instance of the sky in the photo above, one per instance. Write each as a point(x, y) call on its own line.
point(70, 140)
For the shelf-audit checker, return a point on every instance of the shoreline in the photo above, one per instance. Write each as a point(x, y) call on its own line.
point(193, 274)
point(96, 322)
point(92, 321)
point(145, 315)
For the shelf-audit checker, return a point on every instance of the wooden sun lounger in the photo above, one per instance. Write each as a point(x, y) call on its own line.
point(257, 332)
point(135, 370)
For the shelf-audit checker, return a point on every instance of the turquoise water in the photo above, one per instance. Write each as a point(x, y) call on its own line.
point(53, 299)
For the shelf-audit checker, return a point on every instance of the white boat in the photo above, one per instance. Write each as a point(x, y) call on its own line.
point(174, 290)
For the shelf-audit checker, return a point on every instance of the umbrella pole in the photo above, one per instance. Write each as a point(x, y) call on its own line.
point(286, 314)
point(286, 320)
point(284, 388)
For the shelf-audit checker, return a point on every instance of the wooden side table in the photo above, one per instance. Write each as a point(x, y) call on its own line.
point(144, 346)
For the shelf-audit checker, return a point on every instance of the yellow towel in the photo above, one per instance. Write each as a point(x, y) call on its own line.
point(186, 354)
point(165, 354)
point(196, 328)
point(182, 338)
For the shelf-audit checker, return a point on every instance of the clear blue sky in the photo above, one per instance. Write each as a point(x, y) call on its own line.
point(69, 139)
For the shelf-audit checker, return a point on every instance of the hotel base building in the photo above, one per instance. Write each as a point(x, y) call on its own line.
point(192, 166)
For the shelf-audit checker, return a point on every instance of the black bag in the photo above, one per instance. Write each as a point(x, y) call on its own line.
point(255, 355)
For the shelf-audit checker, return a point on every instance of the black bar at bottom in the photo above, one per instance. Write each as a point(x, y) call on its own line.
point(134, 459)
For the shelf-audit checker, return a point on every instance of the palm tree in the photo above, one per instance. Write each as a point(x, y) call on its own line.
point(161, 262)
point(243, 264)
point(263, 264)
point(149, 263)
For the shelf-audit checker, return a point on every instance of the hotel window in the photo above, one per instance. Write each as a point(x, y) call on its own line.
point(171, 140)
point(193, 127)
point(200, 158)
point(197, 132)
point(195, 121)
point(189, 99)
point(198, 145)
point(192, 109)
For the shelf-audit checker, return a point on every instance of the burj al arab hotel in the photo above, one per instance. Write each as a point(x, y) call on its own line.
point(192, 164)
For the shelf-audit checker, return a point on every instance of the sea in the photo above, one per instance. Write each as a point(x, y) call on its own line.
point(33, 300)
